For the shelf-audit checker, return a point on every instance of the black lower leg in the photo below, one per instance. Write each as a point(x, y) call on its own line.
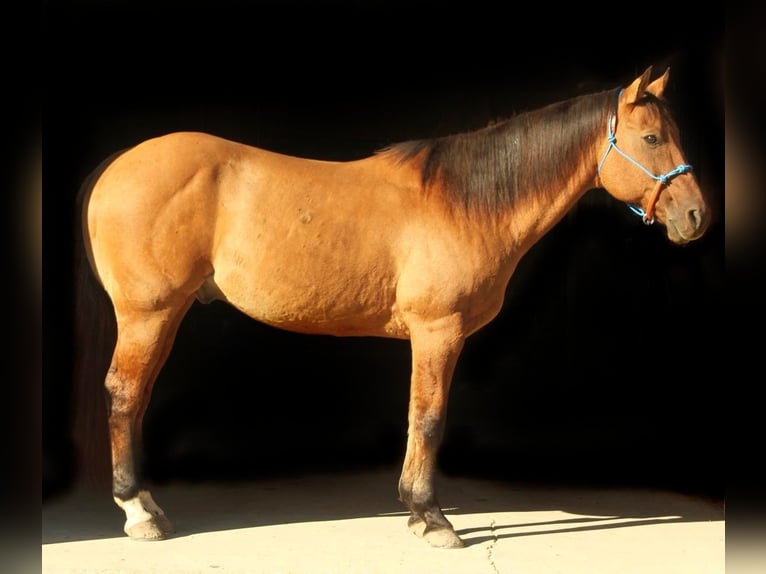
point(416, 485)
point(126, 475)
point(125, 482)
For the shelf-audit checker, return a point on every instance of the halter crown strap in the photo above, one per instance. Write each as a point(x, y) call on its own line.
point(662, 179)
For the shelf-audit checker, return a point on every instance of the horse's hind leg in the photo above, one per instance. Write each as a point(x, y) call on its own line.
point(143, 343)
point(435, 350)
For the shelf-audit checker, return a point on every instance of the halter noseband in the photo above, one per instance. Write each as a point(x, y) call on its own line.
point(662, 180)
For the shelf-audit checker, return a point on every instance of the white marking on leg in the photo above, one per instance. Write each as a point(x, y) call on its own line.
point(135, 512)
point(139, 508)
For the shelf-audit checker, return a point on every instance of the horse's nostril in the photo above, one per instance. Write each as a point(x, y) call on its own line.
point(694, 218)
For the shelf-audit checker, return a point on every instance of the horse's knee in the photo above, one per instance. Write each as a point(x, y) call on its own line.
point(430, 426)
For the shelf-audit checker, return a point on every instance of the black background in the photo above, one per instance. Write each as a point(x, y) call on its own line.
point(599, 367)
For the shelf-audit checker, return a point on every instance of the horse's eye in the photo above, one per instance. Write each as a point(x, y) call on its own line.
point(651, 139)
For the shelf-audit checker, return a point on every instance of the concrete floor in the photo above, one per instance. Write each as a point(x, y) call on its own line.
point(353, 523)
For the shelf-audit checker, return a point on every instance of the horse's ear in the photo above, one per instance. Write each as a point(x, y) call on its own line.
point(657, 87)
point(637, 88)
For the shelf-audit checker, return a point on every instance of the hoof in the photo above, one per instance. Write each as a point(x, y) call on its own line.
point(443, 538)
point(146, 530)
point(417, 526)
point(164, 523)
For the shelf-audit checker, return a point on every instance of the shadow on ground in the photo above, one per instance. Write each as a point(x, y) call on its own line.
point(196, 508)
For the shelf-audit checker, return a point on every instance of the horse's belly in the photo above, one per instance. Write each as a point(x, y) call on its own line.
point(307, 303)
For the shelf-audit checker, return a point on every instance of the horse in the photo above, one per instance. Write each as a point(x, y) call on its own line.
point(416, 241)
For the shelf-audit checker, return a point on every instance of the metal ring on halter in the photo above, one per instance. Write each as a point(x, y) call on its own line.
point(638, 210)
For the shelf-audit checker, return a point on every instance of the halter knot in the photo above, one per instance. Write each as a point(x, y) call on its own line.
point(681, 169)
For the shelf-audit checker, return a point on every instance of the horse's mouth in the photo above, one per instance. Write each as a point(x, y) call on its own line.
point(682, 236)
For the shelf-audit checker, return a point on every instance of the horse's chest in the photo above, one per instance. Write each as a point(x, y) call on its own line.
point(448, 281)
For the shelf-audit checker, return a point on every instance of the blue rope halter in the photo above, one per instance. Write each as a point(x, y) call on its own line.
point(662, 180)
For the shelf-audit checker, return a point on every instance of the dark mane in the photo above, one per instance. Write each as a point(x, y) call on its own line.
point(532, 153)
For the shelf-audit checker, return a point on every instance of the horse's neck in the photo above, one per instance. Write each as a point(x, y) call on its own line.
point(533, 217)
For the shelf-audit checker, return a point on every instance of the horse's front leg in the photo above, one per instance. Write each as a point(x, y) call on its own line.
point(435, 349)
point(143, 343)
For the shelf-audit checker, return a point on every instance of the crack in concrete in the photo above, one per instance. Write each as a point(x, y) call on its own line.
point(491, 547)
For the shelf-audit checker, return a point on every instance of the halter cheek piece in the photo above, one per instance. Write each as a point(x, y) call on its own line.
point(662, 180)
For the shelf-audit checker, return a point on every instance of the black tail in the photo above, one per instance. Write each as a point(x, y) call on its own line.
point(95, 337)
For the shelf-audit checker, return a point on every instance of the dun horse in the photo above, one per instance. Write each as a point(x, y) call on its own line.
point(415, 242)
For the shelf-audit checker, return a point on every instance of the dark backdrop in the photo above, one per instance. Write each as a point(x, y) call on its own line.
point(601, 366)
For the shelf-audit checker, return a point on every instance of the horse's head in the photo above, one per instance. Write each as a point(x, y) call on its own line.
point(642, 162)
